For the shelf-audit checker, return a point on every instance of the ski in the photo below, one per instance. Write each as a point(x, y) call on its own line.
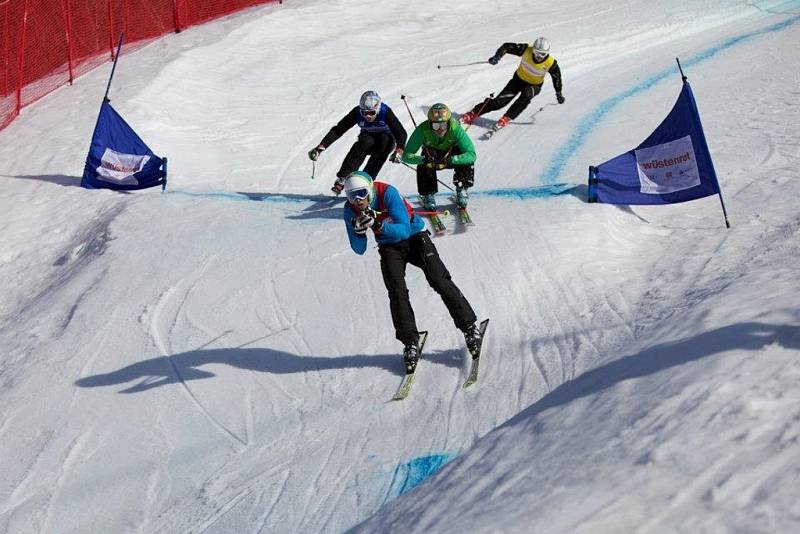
point(438, 225)
point(476, 357)
point(473, 373)
point(434, 215)
point(408, 379)
point(463, 215)
point(491, 131)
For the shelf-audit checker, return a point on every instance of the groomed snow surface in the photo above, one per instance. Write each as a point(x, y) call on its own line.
point(216, 359)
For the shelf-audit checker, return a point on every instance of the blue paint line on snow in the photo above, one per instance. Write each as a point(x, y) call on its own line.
point(562, 156)
point(524, 193)
point(411, 474)
point(517, 193)
point(241, 197)
point(702, 56)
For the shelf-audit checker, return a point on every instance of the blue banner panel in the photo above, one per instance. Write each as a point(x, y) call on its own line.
point(118, 158)
point(672, 165)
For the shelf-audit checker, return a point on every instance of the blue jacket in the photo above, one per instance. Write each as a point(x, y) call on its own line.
point(397, 215)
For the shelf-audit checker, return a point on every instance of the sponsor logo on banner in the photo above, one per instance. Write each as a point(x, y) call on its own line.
point(668, 167)
point(119, 168)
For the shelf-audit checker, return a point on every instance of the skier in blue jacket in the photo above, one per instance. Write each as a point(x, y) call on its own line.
point(402, 239)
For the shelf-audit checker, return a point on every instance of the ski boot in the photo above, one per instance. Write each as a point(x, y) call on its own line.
point(461, 197)
point(501, 123)
point(468, 117)
point(338, 185)
point(472, 335)
point(428, 201)
point(411, 357)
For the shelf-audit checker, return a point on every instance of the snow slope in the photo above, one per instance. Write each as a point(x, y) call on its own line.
point(216, 359)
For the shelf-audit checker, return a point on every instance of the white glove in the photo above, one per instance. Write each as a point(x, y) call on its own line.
point(364, 222)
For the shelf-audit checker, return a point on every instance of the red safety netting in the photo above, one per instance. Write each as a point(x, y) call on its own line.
point(45, 44)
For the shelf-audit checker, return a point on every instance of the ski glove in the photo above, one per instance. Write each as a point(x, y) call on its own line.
point(365, 221)
point(494, 60)
point(396, 156)
point(560, 98)
point(433, 163)
point(359, 226)
point(314, 153)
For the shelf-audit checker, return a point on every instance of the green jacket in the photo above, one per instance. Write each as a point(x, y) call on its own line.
point(424, 136)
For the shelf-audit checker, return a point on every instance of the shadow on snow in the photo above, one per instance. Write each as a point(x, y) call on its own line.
point(743, 336)
point(165, 370)
point(60, 179)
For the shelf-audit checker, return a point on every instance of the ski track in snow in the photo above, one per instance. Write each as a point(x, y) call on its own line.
point(19, 495)
point(90, 242)
point(73, 452)
point(162, 344)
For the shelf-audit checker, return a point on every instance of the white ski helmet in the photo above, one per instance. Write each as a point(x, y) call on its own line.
point(370, 101)
point(356, 182)
point(541, 47)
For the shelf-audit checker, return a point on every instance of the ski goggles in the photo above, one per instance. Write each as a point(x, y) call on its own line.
point(539, 56)
point(369, 112)
point(358, 194)
point(439, 126)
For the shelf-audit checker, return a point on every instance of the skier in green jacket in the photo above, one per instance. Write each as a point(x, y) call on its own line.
point(445, 145)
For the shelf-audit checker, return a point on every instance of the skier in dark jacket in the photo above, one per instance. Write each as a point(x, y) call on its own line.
point(528, 79)
point(402, 239)
point(381, 132)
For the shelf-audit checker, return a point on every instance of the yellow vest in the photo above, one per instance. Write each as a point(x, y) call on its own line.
point(531, 71)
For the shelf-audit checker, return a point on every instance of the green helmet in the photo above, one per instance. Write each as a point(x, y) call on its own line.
point(439, 113)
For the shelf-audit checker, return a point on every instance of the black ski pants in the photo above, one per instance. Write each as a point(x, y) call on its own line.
point(463, 175)
point(515, 86)
point(375, 145)
point(419, 251)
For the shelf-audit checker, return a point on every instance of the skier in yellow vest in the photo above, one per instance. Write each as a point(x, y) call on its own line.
point(535, 63)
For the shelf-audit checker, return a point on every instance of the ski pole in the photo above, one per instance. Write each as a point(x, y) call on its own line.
point(542, 108)
point(447, 186)
point(454, 65)
point(446, 213)
point(411, 167)
point(480, 111)
point(403, 98)
point(485, 103)
point(313, 168)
